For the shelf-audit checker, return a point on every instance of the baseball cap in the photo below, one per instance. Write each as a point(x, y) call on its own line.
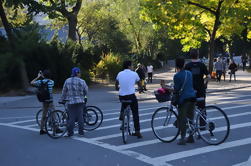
point(75, 71)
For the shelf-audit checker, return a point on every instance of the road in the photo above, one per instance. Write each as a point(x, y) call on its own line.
point(21, 144)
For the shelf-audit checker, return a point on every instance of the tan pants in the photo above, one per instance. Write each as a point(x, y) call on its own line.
point(46, 107)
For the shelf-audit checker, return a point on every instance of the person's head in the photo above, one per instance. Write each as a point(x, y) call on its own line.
point(218, 59)
point(138, 65)
point(127, 65)
point(75, 71)
point(194, 53)
point(179, 63)
point(46, 73)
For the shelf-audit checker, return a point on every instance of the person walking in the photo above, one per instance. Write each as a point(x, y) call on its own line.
point(224, 65)
point(149, 73)
point(219, 69)
point(74, 92)
point(199, 71)
point(244, 60)
point(183, 85)
point(47, 104)
point(233, 68)
point(140, 71)
point(125, 82)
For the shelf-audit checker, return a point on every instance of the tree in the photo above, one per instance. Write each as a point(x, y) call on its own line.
point(194, 21)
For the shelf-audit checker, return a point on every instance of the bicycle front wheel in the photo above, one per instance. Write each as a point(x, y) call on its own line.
point(93, 118)
point(213, 125)
point(56, 124)
point(165, 125)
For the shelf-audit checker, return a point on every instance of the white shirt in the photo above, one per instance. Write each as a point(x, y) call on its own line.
point(149, 69)
point(127, 79)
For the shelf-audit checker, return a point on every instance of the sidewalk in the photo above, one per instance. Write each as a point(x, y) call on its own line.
point(106, 94)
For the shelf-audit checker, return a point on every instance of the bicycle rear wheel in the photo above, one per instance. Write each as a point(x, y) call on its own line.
point(213, 125)
point(164, 124)
point(55, 124)
point(93, 118)
point(125, 126)
point(39, 117)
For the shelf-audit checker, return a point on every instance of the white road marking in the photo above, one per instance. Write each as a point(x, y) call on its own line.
point(154, 141)
point(247, 163)
point(23, 121)
point(202, 150)
point(17, 117)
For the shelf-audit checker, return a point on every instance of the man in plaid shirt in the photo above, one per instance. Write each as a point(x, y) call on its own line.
point(74, 92)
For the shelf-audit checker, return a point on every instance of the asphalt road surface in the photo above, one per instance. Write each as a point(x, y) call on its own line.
point(21, 144)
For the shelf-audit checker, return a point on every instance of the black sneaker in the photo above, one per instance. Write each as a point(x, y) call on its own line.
point(190, 139)
point(181, 141)
point(42, 132)
point(138, 134)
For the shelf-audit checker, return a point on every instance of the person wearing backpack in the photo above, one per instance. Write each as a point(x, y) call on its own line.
point(74, 93)
point(44, 94)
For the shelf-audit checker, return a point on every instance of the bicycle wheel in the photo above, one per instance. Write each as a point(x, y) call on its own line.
point(164, 124)
point(213, 125)
point(125, 126)
point(55, 124)
point(93, 118)
point(39, 117)
point(90, 119)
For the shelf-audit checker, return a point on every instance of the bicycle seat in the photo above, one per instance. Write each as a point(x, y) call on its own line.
point(126, 101)
point(200, 99)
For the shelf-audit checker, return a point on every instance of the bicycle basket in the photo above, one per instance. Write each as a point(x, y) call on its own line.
point(162, 97)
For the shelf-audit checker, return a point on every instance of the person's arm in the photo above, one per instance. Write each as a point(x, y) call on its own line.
point(85, 88)
point(33, 82)
point(64, 92)
point(116, 85)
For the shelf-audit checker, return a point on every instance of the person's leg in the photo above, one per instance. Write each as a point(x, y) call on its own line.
point(220, 74)
point(71, 119)
point(182, 122)
point(123, 106)
point(148, 77)
point(234, 76)
point(79, 113)
point(135, 113)
point(230, 77)
point(151, 77)
point(190, 115)
point(202, 104)
point(217, 75)
point(224, 75)
point(44, 114)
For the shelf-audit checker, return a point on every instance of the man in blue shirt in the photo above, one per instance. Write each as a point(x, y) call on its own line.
point(183, 85)
point(47, 104)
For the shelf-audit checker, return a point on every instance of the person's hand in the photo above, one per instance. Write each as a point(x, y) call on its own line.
point(40, 74)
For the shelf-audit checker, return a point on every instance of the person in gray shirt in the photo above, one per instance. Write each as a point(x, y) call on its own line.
point(219, 68)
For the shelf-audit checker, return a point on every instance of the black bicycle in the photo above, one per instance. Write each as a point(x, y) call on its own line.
point(57, 121)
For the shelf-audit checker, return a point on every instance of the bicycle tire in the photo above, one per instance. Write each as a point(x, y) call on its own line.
point(98, 121)
point(163, 124)
point(125, 128)
point(54, 122)
point(217, 127)
point(90, 120)
point(38, 117)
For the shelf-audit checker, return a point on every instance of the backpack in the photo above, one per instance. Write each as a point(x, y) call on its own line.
point(43, 93)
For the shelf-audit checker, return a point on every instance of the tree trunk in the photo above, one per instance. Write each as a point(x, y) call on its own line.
point(23, 75)
point(5, 22)
point(72, 23)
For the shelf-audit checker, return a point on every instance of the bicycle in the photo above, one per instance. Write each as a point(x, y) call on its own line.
point(215, 131)
point(93, 118)
point(126, 122)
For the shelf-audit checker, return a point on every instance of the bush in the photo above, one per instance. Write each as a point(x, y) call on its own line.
point(108, 66)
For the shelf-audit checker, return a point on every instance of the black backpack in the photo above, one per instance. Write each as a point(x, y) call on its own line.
point(43, 93)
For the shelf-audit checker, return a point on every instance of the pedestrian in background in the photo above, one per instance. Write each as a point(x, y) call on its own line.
point(233, 68)
point(74, 92)
point(244, 60)
point(140, 71)
point(149, 73)
point(224, 65)
point(218, 68)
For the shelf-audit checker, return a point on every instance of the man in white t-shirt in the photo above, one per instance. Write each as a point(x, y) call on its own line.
point(149, 73)
point(125, 82)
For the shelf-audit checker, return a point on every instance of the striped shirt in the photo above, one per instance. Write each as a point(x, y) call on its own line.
point(50, 85)
point(74, 90)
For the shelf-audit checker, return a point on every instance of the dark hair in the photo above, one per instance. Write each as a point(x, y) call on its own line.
point(194, 53)
point(127, 64)
point(47, 73)
point(179, 62)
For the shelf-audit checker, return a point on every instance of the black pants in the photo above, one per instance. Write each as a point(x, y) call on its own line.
point(134, 108)
point(218, 75)
point(150, 77)
point(202, 104)
point(75, 113)
point(186, 110)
